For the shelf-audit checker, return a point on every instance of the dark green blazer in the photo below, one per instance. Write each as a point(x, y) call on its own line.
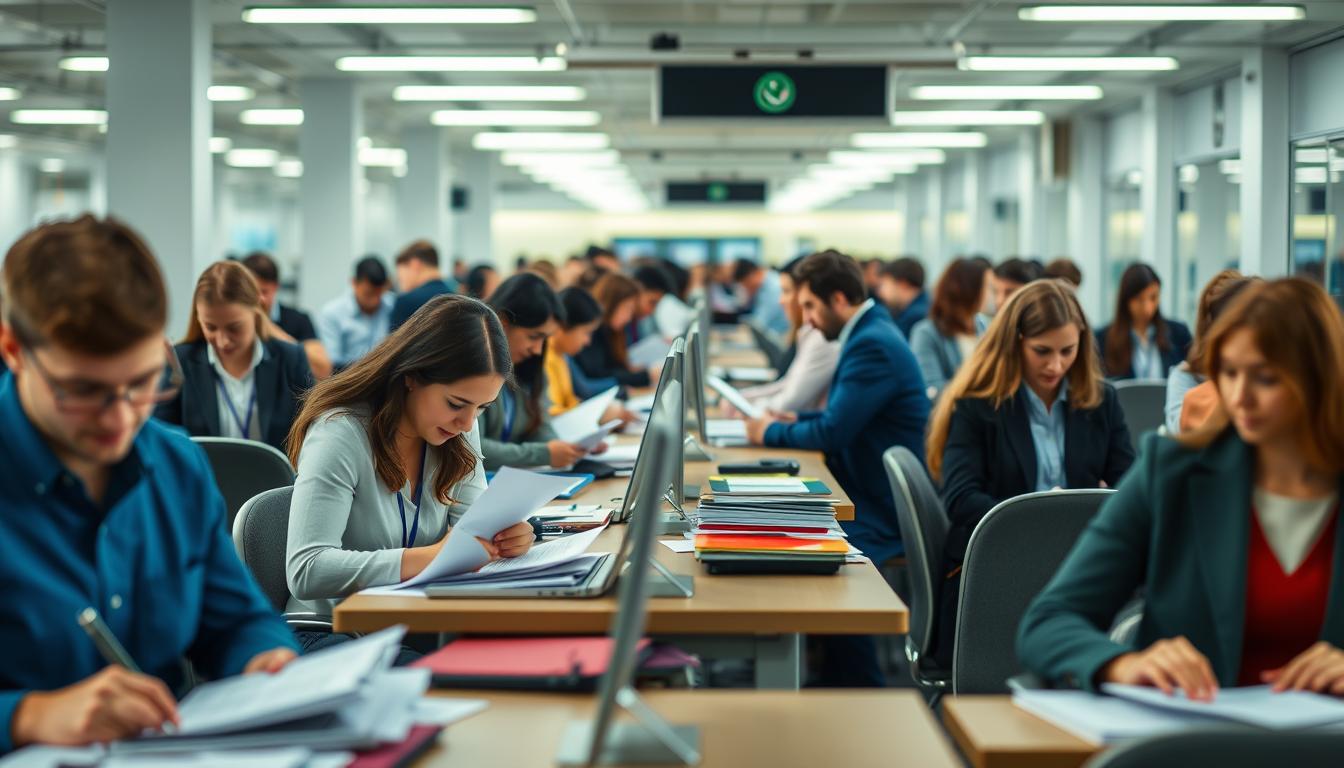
point(1178, 527)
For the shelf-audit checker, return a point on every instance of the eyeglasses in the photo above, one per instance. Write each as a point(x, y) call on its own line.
point(79, 397)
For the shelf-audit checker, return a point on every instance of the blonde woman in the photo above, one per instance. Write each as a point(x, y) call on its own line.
point(238, 381)
point(1029, 411)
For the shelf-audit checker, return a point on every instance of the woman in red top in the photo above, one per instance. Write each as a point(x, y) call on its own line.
point(1231, 531)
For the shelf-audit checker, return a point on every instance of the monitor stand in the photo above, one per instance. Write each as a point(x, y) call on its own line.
point(694, 451)
point(649, 740)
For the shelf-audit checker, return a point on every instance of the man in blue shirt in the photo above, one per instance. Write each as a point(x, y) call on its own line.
point(419, 280)
point(101, 507)
point(876, 401)
point(352, 324)
point(762, 287)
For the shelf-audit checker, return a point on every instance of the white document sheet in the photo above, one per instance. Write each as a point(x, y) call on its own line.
point(442, 710)
point(584, 418)
point(648, 352)
point(681, 546)
point(734, 398)
point(754, 375)
point(1253, 705)
point(287, 757)
point(512, 496)
point(641, 403)
point(726, 429)
point(1099, 719)
point(307, 686)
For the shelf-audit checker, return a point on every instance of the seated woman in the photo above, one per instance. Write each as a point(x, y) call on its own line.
point(582, 314)
point(1028, 412)
point(517, 431)
point(1140, 343)
point(386, 455)
point(1232, 531)
point(237, 380)
point(1191, 398)
point(955, 323)
point(604, 357)
point(807, 377)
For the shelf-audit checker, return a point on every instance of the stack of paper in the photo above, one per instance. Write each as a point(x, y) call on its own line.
point(726, 433)
point(1130, 711)
point(766, 485)
point(768, 519)
point(582, 425)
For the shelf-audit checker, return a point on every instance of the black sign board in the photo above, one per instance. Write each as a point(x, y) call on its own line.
point(715, 192)
point(772, 93)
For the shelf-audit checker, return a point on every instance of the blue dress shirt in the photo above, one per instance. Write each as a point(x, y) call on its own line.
point(765, 309)
point(155, 559)
point(1147, 357)
point(347, 333)
point(1047, 435)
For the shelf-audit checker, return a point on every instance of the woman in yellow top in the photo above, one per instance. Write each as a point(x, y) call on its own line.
point(568, 385)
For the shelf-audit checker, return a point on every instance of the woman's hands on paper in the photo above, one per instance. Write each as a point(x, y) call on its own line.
point(512, 541)
point(1168, 665)
point(1319, 669)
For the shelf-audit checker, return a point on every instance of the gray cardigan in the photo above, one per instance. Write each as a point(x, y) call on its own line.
point(344, 524)
point(523, 449)
point(938, 356)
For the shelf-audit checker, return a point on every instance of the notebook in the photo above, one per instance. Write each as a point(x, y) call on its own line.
point(766, 485)
point(527, 663)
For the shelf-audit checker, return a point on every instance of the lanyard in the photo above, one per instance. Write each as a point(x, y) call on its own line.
point(419, 491)
point(244, 424)
point(509, 407)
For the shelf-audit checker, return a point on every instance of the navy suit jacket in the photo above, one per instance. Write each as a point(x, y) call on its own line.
point(1178, 334)
point(917, 310)
point(283, 377)
point(408, 303)
point(876, 401)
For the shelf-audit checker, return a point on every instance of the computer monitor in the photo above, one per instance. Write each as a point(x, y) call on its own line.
point(694, 375)
point(650, 739)
point(671, 373)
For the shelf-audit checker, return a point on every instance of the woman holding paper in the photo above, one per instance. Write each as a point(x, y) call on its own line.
point(1230, 532)
point(386, 455)
point(1028, 412)
point(566, 387)
point(517, 431)
point(606, 355)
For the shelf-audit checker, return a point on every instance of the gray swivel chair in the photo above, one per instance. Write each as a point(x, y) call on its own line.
point(1011, 555)
point(1144, 403)
point(924, 524)
point(244, 468)
point(1228, 747)
point(260, 534)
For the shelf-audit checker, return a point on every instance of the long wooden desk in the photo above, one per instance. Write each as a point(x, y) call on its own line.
point(737, 728)
point(992, 733)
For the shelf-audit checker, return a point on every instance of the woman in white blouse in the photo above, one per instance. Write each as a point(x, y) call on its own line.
point(804, 385)
point(386, 456)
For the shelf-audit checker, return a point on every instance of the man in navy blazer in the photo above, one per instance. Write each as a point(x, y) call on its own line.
point(876, 399)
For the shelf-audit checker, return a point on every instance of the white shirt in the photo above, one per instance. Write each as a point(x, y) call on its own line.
point(672, 317)
point(1291, 526)
point(236, 396)
point(853, 321)
point(805, 384)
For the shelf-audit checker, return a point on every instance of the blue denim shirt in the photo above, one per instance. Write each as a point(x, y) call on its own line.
point(1047, 435)
point(154, 559)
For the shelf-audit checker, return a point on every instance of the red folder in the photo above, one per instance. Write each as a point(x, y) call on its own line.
point(400, 753)
point(527, 663)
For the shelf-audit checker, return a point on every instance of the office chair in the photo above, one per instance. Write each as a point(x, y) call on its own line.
point(1144, 403)
point(244, 468)
point(260, 534)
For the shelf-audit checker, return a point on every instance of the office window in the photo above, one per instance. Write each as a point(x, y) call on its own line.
point(1318, 200)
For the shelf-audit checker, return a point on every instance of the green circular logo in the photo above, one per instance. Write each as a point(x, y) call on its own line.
point(775, 93)
point(717, 192)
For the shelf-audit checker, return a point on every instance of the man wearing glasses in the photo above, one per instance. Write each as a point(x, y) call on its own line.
point(102, 508)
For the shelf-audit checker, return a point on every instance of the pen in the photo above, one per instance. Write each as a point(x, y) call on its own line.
point(111, 650)
point(102, 637)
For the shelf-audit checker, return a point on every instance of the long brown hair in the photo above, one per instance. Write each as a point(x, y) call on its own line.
point(451, 338)
point(1299, 331)
point(226, 282)
point(1216, 297)
point(957, 297)
point(611, 291)
point(994, 370)
point(1119, 347)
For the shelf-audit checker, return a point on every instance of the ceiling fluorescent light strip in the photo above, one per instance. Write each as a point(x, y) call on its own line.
point(371, 14)
point(1162, 13)
point(1006, 92)
point(450, 64)
point(1068, 63)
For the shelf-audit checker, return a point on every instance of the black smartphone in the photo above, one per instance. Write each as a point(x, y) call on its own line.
point(761, 467)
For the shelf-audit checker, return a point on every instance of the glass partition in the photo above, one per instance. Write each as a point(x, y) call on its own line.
point(1208, 228)
point(1124, 233)
point(1316, 239)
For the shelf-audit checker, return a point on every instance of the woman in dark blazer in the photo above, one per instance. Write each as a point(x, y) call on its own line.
point(1028, 412)
point(1231, 531)
point(237, 381)
point(605, 354)
point(1140, 343)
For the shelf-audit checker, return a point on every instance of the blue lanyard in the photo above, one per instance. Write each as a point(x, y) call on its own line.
point(244, 424)
point(401, 505)
point(509, 407)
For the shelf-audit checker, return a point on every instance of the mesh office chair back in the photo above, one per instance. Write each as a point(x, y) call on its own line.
point(1144, 403)
point(244, 468)
point(260, 534)
point(1229, 746)
point(924, 524)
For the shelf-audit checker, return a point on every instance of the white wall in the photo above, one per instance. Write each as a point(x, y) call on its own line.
point(1314, 101)
point(1124, 143)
